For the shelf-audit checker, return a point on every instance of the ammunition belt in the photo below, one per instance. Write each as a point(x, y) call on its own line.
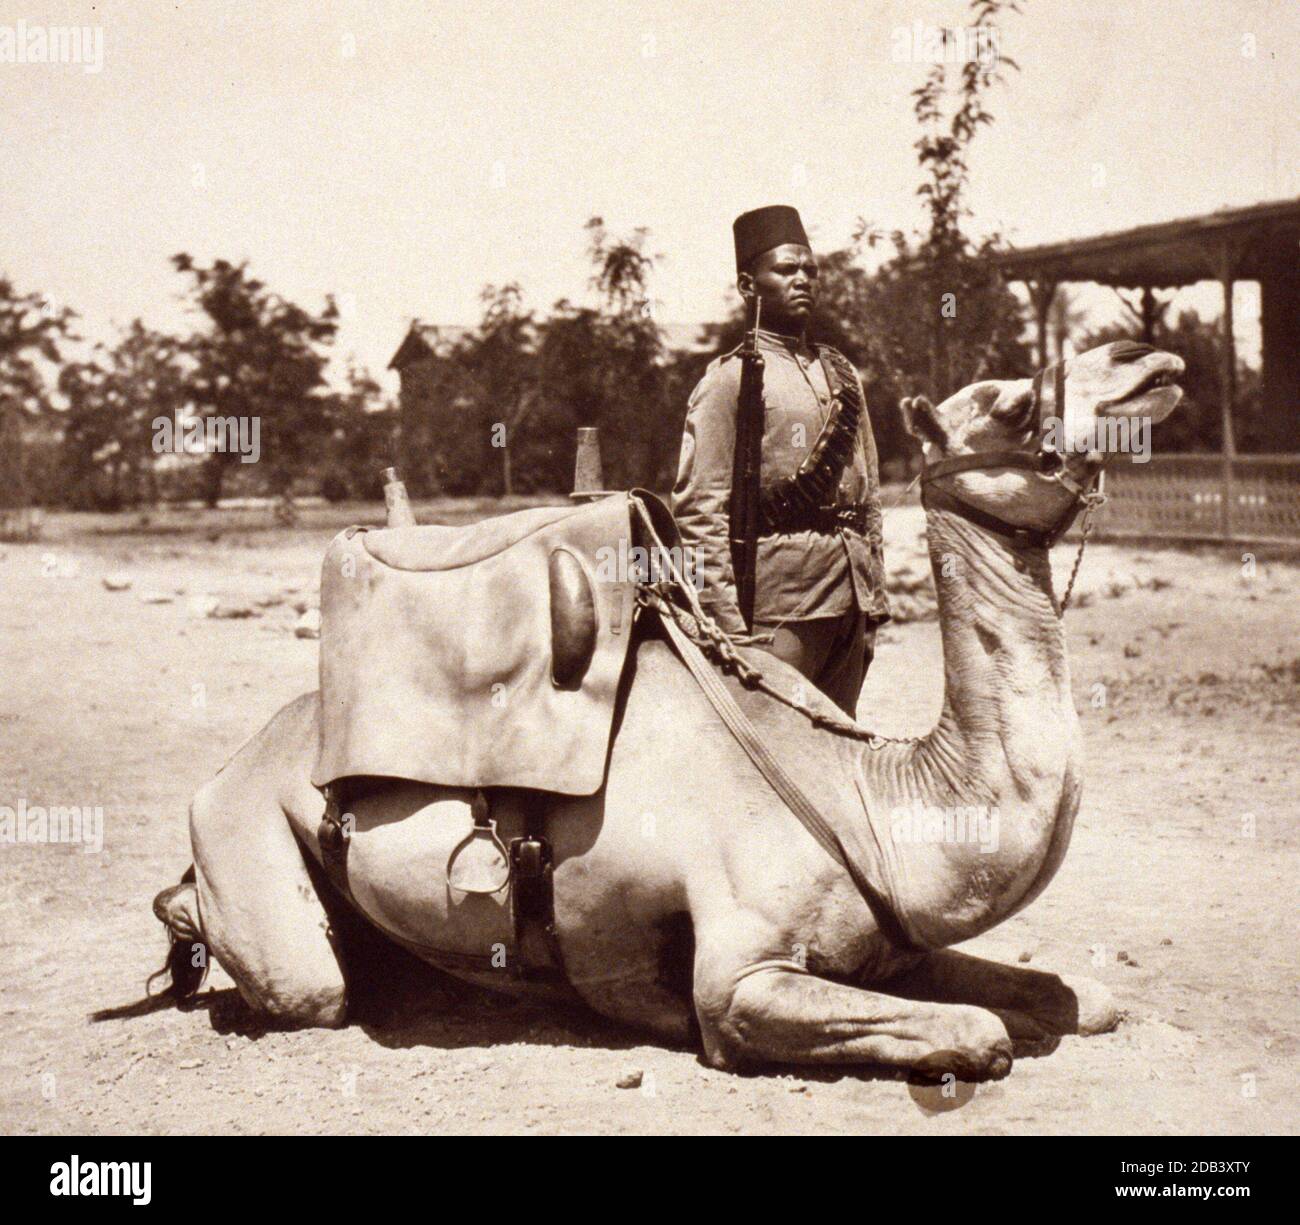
point(785, 518)
point(808, 491)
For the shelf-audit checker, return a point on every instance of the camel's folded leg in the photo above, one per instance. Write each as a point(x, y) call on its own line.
point(1033, 1004)
point(259, 912)
point(778, 1013)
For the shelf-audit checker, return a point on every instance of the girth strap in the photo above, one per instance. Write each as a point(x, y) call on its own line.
point(333, 836)
point(532, 900)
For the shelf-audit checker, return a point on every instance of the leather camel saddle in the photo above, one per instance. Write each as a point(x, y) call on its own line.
point(479, 656)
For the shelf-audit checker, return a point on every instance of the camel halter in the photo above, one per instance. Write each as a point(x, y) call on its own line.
point(1046, 460)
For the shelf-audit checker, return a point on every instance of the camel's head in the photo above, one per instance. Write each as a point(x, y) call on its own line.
point(1112, 396)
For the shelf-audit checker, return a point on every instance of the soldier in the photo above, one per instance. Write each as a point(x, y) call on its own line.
point(819, 590)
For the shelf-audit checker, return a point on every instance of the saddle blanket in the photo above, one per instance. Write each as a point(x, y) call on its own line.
point(479, 656)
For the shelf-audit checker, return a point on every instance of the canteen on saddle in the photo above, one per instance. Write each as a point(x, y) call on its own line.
point(479, 656)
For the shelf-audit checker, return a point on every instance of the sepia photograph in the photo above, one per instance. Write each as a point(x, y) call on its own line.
point(591, 568)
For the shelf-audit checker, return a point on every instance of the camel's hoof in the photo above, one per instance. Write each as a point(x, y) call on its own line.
point(997, 1061)
point(981, 1048)
point(968, 1066)
point(1098, 1013)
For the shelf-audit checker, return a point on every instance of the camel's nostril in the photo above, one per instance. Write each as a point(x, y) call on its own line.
point(1130, 350)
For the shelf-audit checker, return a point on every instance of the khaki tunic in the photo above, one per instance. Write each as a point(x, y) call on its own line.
point(800, 576)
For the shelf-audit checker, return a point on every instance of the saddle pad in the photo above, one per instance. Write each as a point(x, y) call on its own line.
point(448, 655)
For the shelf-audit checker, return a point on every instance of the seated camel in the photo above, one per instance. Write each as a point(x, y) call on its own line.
point(688, 900)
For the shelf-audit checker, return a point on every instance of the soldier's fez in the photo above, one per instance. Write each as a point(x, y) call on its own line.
point(765, 228)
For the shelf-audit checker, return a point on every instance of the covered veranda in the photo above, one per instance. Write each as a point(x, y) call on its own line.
point(1229, 496)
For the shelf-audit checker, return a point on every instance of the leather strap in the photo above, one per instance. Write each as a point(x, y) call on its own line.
point(740, 726)
point(1023, 537)
point(333, 836)
point(1034, 461)
point(532, 900)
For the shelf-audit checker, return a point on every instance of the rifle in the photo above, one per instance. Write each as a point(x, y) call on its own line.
point(746, 470)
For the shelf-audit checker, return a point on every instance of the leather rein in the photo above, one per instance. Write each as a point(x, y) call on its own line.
point(1046, 460)
point(705, 633)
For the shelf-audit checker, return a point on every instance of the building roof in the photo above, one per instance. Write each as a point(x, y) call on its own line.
point(1168, 254)
point(425, 340)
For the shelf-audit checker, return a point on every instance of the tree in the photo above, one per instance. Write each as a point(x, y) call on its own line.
point(499, 359)
point(363, 440)
point(436, 404)
point(30, 332)
point(1063, 317)
point(114, 399)
point(261, 359)
point(607, 366)
point(968, 311)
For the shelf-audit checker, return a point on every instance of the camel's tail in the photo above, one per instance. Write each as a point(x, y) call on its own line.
point(187, 958)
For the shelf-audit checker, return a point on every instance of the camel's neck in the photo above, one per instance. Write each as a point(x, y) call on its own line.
point(1006, 679)
point(1006, 745)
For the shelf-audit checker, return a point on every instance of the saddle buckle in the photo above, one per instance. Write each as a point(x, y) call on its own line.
point(532, 866)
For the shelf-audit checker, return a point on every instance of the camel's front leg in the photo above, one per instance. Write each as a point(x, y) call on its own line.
point(1033, 1004)
point(776, 1012)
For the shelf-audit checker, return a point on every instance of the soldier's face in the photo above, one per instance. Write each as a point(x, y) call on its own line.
point(785, 280)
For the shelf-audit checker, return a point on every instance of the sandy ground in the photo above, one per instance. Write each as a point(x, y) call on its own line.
point(1179, 889)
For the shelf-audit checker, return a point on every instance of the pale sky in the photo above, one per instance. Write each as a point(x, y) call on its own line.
point(401, 155)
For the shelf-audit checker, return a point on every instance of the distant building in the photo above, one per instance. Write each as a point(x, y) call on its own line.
point(428, 399)
point(433, 396)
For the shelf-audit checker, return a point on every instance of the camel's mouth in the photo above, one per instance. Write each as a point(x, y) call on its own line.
point(1157, 378)
point(1154, 395)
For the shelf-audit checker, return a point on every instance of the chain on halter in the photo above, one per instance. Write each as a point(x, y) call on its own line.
point(1093, 501)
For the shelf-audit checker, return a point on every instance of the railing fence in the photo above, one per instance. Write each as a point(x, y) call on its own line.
point(1206, 497)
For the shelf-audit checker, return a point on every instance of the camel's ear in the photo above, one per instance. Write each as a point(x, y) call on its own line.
point(919, 421)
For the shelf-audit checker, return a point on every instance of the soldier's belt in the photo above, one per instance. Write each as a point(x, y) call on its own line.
point(785, 519)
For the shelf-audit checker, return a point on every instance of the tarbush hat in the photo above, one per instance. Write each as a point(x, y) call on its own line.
point(764, 228)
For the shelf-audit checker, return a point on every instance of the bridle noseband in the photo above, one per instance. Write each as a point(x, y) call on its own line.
point(1049, 402)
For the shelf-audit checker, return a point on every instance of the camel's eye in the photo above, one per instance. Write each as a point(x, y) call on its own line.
point(1016, 410)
